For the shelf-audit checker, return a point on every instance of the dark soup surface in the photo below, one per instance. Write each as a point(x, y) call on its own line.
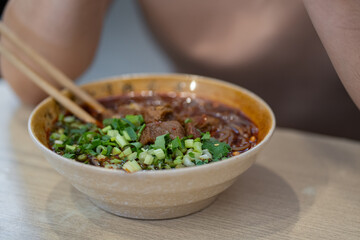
point(154, 132)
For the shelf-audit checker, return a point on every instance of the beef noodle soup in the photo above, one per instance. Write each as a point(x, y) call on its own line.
point(155, 132)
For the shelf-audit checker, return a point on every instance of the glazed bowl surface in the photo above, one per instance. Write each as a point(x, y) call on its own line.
point(157, 194)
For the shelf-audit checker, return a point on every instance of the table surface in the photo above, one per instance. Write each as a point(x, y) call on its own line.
point(303, 186)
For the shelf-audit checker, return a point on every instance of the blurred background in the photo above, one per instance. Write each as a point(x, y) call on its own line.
point(268, 47)
point(126, 45)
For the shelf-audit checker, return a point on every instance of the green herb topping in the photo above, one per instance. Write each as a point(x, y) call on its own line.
point(117, 145)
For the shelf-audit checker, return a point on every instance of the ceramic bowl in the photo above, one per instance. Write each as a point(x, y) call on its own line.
point(158, 194)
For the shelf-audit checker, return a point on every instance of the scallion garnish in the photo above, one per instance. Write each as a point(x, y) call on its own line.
point(117, 145)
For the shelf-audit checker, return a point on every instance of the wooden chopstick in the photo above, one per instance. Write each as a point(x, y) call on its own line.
point(53, 71)
point(49, 89)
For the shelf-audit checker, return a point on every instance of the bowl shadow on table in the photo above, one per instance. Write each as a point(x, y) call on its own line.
point(251, 207)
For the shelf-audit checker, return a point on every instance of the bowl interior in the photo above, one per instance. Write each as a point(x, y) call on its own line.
point(250, 104)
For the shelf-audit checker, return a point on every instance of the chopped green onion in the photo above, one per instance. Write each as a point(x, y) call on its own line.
point(206, 155)
point(113, 133)
point(197, 147)
point(132, 156)
point(115, 161)
point(178, 160)
point(82, 157)
point(121, 141)
point(159, 153)
point(131, 166)
point(127, 122)
point(126, 135)
point(101, 157)
point(197, 155)
point(69, 119)
point(189, 143)
point(199, 162)
point(106, 129)
point(131, 133)
point(135, 119)
point(58, 142)
point(69, 155)
point(127, 151)
point(160, 141)
point(142, 156)
point(55, 136)
point(206, 136)
point(62, 137)
point(141, 130)
point(176, 143)
point(101, 149)
point(70, 148)
point(108, 150)
point(148, 159)
point(187, 161)
point(178, 153)
point(110, 166)
point(137, 145)
point(116, 151)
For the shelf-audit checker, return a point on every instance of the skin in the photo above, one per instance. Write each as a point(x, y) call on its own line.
point(78, 26)
point(337, 23)
point(71, 47)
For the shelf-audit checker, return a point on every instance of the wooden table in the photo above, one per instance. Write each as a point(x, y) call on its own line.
point(303, 186)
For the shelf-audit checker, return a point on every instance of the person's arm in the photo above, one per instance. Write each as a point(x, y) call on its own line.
point(65, 32)
point(337, 23)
